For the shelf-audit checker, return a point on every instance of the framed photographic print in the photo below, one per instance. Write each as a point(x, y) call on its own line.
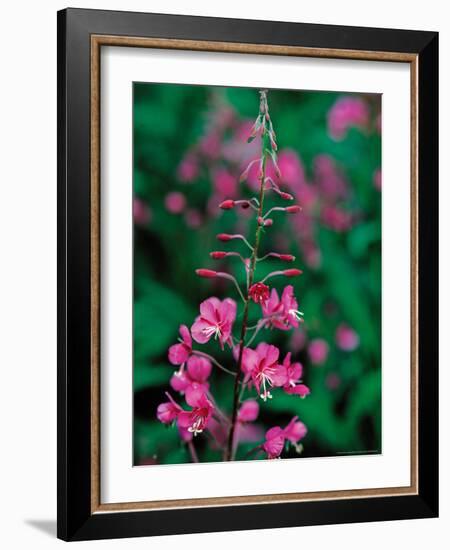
point(247, 251)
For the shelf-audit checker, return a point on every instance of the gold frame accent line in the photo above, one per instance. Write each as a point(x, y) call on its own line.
point(261, 49)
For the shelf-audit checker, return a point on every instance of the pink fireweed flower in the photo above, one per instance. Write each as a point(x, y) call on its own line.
point(290, 375)
point(175, 202)
point(346, 112)
point(179, 353)
point(261, 367)
point(259, 293)
point(282, 313)
point(318, 351)
point(168, 411)
point(274, 443)
point(346, 338)
point(249, 411)
point(196, 420)
point(216, 319)
point(294, 432)
point(198, 370)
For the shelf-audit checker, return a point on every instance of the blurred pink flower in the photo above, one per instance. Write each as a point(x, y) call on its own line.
point(216, 319)
point(210, 145)
point(225, 183)
point(175, 202)
point(329, 180)
point(188, 168)
point(298, 340)
point(318, 351)
point(141, 212)
point(347, 339)
point(291, 168)
point(346, 112)
point(249, 411)
point(336, 219)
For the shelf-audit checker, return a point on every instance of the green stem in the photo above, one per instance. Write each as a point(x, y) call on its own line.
point(229, 448)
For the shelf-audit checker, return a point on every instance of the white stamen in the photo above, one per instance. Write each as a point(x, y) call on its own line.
point(296, 314)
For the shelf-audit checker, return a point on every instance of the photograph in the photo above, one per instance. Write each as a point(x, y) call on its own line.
point(256, 274)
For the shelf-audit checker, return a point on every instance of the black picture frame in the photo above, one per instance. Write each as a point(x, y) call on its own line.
point(76, 521)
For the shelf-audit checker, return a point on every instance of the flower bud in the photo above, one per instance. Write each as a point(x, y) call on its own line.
point(227, 205)
point(286, 257)
point(224, 237)
point(294, 209)
point(292, 272)
point(218, 255)
point(207, 273)
point(268, 222)
point(286, 196)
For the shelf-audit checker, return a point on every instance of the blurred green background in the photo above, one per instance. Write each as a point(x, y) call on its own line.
point(189, 149)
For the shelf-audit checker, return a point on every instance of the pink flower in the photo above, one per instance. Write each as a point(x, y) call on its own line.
point(346, 112)
point(188, 168)
point(179, 353)
point(216, 319)
point(346, 338)
point(329, 180)
point(141, 212)
point(168, 411)
point(196, 420)
point(289, 375)
point(249, 411)
point(261, 366)
point(198, 370)
point(284, 313)
point(175, 202)
point(295, 431)
point(259, 293)
point(318, 351)
point(274, 443)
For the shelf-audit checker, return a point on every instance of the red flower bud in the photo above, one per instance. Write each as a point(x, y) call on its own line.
point(218, 255)
point(260, 220)
point(286, 257)
point(286, 196)
point(259, 293)
point(224, 237)
point(207, 273)
point(294, 209)
point(292, 272)
point(227, 205)
point(268, 222)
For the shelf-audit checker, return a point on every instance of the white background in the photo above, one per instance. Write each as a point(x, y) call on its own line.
point(119, 481)
point(28, 273)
